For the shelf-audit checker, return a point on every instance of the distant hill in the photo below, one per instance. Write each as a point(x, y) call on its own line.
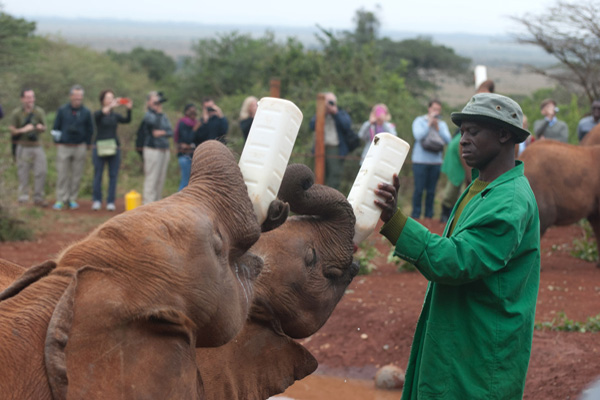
point(176, 38)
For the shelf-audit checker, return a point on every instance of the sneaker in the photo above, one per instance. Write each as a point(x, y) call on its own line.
point(73, 205)
point(59, 205)
point(111, 207)
point(96, 205)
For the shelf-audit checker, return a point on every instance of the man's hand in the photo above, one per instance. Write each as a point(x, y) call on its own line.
point(433, 121)
point(40, 127)
point(159, 132)
point(27, 128)
point(389, 194)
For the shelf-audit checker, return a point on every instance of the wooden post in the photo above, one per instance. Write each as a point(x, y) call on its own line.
point(320, 140)
point(275, 88)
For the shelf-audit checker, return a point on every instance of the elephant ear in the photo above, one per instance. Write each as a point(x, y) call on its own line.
point(276, 215)
point(99, 346)
point(257, 364)
point(21, 277)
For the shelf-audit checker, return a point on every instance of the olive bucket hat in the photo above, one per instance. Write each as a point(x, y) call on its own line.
point(494, 109)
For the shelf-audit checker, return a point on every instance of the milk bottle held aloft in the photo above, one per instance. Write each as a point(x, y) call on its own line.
point(384, 159)
point(267, 151)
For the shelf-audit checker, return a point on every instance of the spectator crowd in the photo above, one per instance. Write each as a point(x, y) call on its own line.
point(76, 130)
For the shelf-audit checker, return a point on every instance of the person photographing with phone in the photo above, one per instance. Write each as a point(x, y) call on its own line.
point(550, 127)
point(26, 124)
point(214, 125)
point(431, 135)
point(107, 149)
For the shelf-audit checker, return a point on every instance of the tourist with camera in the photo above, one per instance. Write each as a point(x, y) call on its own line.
point(156, 133)
point(550, 127)
point(214, 125)
point(340, 140)
point(26, 124)
point(431, 135)
point(73, 130)
point(107, 149)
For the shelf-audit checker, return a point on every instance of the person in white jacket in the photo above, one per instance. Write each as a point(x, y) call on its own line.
point(379, 121)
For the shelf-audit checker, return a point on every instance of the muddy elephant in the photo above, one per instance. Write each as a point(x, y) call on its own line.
point(566, 182)
point(308, 266)
point(120, 313)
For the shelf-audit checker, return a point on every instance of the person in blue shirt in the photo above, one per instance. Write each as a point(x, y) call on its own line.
point(427, 163)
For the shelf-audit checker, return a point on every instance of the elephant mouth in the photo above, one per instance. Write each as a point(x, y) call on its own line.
point(344, 274)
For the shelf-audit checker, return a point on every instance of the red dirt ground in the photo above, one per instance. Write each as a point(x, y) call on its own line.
point(374, 323)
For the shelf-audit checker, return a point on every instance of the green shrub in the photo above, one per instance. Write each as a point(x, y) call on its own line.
point(365, 254)
point(585, 247)
point(562, 323)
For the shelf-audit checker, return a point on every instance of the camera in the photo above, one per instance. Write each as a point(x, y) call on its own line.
point(210, 109)
point(33, 136)
point(161, 98)
point(331, 103)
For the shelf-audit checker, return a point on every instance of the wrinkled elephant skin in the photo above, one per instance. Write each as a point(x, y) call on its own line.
point(120, 313)
point(308, 266)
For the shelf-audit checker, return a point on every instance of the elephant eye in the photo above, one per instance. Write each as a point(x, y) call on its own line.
point(310, 257)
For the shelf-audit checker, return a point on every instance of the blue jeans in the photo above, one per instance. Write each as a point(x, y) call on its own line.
point(426, 178)
point(114, 162)
point(185, 166)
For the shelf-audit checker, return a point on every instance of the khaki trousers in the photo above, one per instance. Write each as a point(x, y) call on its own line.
point(156, 162)
point(28, 157)
point(70, 164)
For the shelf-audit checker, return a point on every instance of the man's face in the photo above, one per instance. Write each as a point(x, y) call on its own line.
point(434, 109)
point(28, 99)
point(596, 110)
point(480, 143)
point(76, 98)
point(154, 103)
point(209, 106)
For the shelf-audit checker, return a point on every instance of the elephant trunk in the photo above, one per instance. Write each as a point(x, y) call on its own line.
point(329, 205)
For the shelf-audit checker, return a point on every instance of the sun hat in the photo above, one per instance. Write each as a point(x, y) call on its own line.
point(494, 109)
point(380, 111)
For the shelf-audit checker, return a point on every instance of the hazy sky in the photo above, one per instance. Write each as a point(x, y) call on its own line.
point(427, 16)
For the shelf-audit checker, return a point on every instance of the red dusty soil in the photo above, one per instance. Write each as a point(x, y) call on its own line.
point(374, 323)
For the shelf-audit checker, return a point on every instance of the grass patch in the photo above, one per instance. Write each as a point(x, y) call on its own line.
point(401, 265)
point(562, 323)
point(365, 254)
point(585, 247)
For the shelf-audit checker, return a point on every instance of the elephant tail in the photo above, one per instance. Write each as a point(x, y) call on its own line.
point(28, 277)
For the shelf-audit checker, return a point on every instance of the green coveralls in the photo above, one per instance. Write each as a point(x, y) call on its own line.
point(473, 338)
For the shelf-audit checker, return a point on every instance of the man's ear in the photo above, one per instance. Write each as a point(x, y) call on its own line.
point(506, 136)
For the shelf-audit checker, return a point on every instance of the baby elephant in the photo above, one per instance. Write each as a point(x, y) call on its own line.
point(566, 182)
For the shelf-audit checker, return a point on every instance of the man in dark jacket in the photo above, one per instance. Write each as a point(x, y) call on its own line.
point(73, 129)
point(213, 125)
point(338, 128)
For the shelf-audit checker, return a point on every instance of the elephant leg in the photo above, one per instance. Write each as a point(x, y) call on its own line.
point(101, 346)
point(594, 221)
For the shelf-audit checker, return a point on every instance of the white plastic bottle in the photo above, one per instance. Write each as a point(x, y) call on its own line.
point(384, 159)
point(267, 151)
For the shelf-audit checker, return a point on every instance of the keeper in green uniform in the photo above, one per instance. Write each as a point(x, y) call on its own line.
point(473, 338)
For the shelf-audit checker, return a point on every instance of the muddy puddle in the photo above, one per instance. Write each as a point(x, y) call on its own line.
point(323, 387)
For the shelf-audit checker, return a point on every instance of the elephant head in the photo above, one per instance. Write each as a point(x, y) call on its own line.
point(135, 297)
point(308, 266)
